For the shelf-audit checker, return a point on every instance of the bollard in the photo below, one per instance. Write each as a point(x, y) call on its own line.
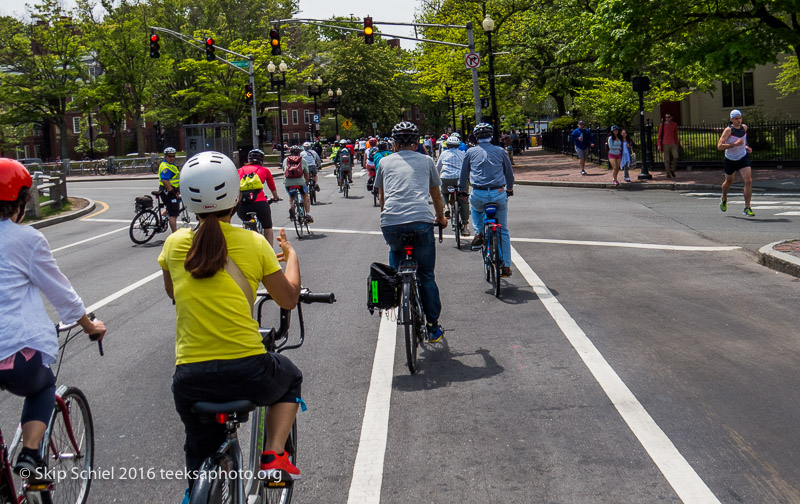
point(33, 209)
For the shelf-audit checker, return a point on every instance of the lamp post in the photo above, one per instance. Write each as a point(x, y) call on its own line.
point(452, 105)
point(316, 92)
point(276, 82)
point(335, 99)
point(402, 113)
point(488, 27)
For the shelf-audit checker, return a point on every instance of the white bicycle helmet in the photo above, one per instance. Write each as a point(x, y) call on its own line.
point(453, 141)
point(209, 183)
point(307, 145)
point(169, 150)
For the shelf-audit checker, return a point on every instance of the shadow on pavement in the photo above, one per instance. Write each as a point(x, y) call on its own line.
point(438, 367)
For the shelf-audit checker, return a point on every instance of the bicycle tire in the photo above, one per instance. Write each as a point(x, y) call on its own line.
point(375, 201)
point(457, 224)
point(346, 188)
point(281, 493)
point(485, 253)
point(252, 440)
point(298, 220)
point(101, 168)
point(184, 219)
point(210, 490)
point(409, 326)
point(144, 227)
point(496, 263)
point(154, 166)
point(69, 446)
point(312, 194)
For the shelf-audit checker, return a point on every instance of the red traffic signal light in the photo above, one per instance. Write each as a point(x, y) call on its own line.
point(275, 41)
point(210, 49)
point(369, 30)
point(154, 45)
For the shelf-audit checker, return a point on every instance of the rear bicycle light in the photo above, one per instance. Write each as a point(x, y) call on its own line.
point(221, 418)
point(409, 249)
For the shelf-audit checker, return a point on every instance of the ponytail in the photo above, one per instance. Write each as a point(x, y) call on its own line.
point(209, 251)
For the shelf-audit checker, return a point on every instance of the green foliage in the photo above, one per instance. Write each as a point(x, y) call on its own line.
point(563, 123)
point(788, 82)
point(612, 101)
point(84, 147)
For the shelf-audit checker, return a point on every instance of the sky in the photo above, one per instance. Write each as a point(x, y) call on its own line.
point(399, 11)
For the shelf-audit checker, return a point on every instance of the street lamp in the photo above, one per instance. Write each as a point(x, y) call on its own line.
point(276, 83)
point(402, 113)
point(315, 92)
point(452, 104)
point(488, 27)
point(335, 99)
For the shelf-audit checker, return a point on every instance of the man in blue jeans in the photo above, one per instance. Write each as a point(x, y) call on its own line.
point(404, 181)
point(488, 169)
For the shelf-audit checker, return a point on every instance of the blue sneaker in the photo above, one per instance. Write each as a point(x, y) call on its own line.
point(185, 497)
point(435, 333)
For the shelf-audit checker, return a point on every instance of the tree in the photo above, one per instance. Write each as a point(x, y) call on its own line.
point(613, 101)
point(45, 65)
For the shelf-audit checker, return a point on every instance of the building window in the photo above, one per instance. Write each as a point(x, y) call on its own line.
point(27, 152)
point(295, 117)
point(309, 138)
point(285, 117)
point(76, 125)
point(417, 114)
point(37, 151)
point(738, 93)
point(306, 117)
point(296, 138)
point(286, 138)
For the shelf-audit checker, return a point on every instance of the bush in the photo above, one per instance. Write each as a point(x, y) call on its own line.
point(563, 123)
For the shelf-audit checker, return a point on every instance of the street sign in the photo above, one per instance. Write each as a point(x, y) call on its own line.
point(347, 124)
point(472, 60)
point(316, 119)
point(240, 63)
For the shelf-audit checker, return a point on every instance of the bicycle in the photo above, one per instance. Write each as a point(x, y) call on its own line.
point(253, 223)
point(454, 202)
point(147, 222)
point(371, 189)
point(345, 184)
point(220, 476)
point(67, 447)
point(312, 191)
point(297, 212)
point(411, 314)
point(490, 250)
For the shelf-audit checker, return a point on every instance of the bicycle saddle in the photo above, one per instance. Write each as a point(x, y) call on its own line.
point(241, 407)
point(490, 209)
point(155, 193)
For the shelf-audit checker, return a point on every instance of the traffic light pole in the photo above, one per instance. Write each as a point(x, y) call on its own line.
point(250, 72)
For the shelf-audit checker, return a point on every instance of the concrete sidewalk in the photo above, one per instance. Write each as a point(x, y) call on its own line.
point(544, 168)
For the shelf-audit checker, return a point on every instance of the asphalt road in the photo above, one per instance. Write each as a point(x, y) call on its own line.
point(638, 354)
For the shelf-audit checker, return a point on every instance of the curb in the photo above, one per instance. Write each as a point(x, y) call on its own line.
point(73, 180)
point(779, 261)
point(65, 217)
point(657, 186)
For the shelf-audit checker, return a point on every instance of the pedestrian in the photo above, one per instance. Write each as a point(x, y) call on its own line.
point(523, 140)
point(734, 142)
point(614, 145)
point(627, 153)
point(668, 143)
point(583, 140)
point(505, 143)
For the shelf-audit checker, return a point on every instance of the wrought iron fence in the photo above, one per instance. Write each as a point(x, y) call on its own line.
point(775, 144)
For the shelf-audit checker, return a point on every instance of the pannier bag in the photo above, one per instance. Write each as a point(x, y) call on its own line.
point(382, 283)
point(143, 203)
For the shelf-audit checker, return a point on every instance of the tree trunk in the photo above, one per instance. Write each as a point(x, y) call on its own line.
point(560, 104)
point(141, 141)
point(62, 128)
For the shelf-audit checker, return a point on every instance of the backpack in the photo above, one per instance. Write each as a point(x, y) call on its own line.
point(382, 291)
point(344, 157)
point(294, 167)
point(250, 186)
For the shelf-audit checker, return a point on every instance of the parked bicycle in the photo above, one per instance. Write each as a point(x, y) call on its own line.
point(490, 250)
point(297, 212)
point(411, 314)
point(67, 448)
point(231, 475)
point(147, 222)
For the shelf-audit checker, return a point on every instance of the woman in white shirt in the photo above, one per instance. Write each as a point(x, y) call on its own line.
point(28, 340)
point(614, 144)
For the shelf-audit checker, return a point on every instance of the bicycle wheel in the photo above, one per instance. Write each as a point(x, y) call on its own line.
point(312, 194)
point(346, 187)
point(410, 326)
point(144, 227)
point(216, 481)
point(280, 492)
point(68, 446)
point(252, 439)
point(496, 263)
point(101, 168)
point(184, 219)
point(298, 219)
point(375, 201)
point(457, 224)
point(485, 253)
point(154, 166)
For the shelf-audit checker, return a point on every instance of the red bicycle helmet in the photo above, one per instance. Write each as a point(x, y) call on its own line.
point(373, 141)
point(13, 177)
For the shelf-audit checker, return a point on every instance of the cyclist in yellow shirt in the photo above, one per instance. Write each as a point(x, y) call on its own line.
point(169, 181)
point(219, 355)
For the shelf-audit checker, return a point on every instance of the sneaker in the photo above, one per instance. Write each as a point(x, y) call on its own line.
point(316, 187)
point(435, 333)
point(583, 172)
point(627, 179)
point(465, 231)
point(749, 212)
point(477, 241)
point(723, 205)
point(616, 182)
point(340, 189)
point(31, 467)
point(309, 219)
point(506, 272)
point(447, 213)
point(277, 467)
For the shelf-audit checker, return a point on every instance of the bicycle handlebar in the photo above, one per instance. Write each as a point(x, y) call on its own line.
point(280, 334)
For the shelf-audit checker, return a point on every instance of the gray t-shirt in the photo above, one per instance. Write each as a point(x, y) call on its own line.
point(406, 178)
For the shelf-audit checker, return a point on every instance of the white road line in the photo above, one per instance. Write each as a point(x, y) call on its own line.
point(649, 246)
point(365, 487)
point(88, 240)
point(108, 220)
point(680, 475)
point(788, 213)
point(122, 292)
point(768, 207)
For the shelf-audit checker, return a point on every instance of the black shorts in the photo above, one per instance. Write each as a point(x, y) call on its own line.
point(730, 166)
point(261, 209)
point(172, 202)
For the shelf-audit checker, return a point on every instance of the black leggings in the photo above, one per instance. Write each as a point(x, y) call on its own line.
point(33, 381)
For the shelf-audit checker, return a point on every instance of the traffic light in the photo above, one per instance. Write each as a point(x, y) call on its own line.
point(210, 49)
point(154, 45)
point(368, 30)
point(275, 41)
point(248, 94)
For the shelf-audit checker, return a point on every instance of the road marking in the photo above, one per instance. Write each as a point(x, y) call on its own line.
point(649, 246)
point(88, 240)
point(111, 220)
point(356, 174)
point(788, 213)
point(122, 292)
point(680, 475)
point(365, 487)
point(105, 207)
